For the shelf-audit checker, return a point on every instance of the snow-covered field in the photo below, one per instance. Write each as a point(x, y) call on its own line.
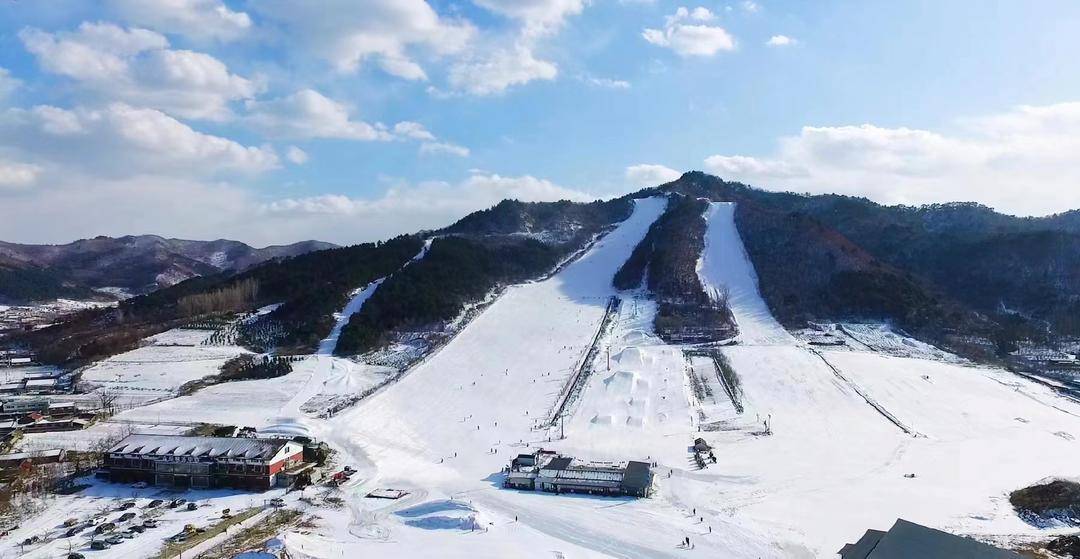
point(821, 451)
point(159, 368)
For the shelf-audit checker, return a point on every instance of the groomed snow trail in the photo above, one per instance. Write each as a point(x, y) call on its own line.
point(833, 465)
point(724, 265)
point(361, 295)
point(327, 346)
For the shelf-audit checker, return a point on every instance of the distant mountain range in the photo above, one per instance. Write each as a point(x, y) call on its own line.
point(961, 276)
point(130, 265)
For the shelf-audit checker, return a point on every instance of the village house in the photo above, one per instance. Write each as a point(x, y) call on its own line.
point(182, 462)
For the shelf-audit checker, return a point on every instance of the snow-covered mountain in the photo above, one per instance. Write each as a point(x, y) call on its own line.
point(131, 264)
point(814, 432)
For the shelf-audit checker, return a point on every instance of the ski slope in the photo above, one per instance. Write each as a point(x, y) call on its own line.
point(724, 267)
point(836, 461)
point(833, 462)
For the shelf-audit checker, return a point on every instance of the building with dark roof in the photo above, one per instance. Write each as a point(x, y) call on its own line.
point(907, 539)
point(202, 462)
point(548, 471)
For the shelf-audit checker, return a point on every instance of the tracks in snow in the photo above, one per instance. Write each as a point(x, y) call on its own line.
point(869, 400)
point(576, 383)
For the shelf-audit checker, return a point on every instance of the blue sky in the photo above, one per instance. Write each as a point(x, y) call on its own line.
point(347, 121)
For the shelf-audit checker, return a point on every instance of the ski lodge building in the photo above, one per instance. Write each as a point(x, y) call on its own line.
point(182, 462)
point(551, 472)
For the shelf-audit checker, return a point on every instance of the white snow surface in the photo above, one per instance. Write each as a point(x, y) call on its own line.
point(158, 369)
point(725, 266)
point(833, 465)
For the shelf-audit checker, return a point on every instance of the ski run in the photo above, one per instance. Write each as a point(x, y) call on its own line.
point(812, 447)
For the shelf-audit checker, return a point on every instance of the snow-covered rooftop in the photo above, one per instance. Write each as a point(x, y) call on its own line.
point(211, 447)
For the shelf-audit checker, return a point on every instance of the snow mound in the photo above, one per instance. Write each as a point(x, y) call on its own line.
point(632, 358)
point(635, 337)
point(626, 381)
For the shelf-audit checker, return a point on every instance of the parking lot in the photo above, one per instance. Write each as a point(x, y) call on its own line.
point(114, 520)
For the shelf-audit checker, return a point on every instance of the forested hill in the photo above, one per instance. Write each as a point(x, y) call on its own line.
point(511, 242)
point(962, 276)
point(944, 271)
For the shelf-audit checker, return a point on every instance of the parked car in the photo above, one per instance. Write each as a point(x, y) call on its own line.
point(127, 505)
point(176, 502)
point(98, 545)
point(127, 516)
point(155, 503)
point(76, 556)
point(70, 522)
point(149, 523)
point(138, 529)
point(126, 535)
point(192, 506)
point(73, 531)
point(32, 540)
point(114, 539)
point(106, 527)
point(277, 502)
point(178, 538)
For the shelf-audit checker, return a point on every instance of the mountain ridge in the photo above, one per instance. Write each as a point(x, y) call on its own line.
point(132, 263)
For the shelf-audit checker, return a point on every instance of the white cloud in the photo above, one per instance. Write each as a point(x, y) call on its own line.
point(433, 203)
point(606, 83)
point(8, 83)
point(309, 114)
point(690, 39)
point(296, 156)
point(502, 62)
point(427, 148)
point(68, 206)
point(199, 19)
point(1023, 161)
point(701, 13)
point(413, 130)
point(121, 140)
point(780, 41)
point(500, 69)
point(136, 66)
point(537, 16)
point(17, 175)
point(348, 33)
point(646, 174)
point(750, 7)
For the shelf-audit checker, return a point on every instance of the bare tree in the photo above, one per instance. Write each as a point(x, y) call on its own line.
point(107, 401)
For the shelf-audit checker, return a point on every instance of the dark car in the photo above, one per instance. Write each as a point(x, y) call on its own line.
point(155, 503)
point(176, 502)
point(107, 527)
point(127, 516)
point(127, 505)
point(137, 529)
point(76, 556)
point(98, 545)
point(74, 530)
point(192, 506)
